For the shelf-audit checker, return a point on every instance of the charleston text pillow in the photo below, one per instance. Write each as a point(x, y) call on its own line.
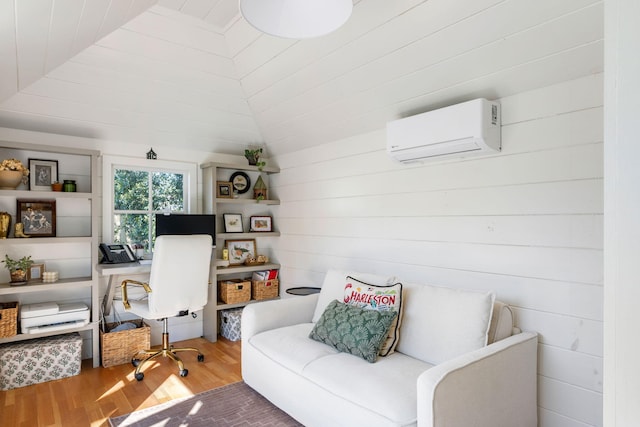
point(379, 298)
point(353, 330)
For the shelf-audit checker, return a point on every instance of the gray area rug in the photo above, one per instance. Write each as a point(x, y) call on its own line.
point(232, 405)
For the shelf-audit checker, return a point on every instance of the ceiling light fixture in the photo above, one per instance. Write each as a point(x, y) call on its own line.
point(296, 19)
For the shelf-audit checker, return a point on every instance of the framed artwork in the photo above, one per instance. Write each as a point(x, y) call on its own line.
point(241, 182)
point(42, 173)
point(35, 271)
point(38, 217)
point(224, 189)
point(232, 223)
point(261, 223)
point(240, 250)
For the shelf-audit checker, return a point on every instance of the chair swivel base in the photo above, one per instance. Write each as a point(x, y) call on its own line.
point(166, 350)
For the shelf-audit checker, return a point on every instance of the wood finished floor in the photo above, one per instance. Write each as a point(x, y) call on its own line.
point(90, 398)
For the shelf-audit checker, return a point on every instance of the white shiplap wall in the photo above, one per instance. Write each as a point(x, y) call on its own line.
point(526, 223)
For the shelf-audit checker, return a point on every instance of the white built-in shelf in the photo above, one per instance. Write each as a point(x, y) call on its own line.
point(247, 201)
point(249, 235)
point(45, 195)
point(91, 326)
point(42, 240)
point(39, 286)
point(245, 205)
point(266, 169)
point(223, 306)
point(246, 268)
point(86, 162)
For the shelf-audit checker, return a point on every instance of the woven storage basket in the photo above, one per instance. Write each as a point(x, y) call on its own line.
point(8, 319)
point(234, 291)
point(264, 289)
point(120, 347)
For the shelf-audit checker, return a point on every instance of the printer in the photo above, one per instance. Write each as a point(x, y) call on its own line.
point(52, 316)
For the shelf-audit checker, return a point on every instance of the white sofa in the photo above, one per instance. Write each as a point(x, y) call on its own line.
point(442, 373)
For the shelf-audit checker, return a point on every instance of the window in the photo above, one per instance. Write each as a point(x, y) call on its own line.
point(135, 190)
point(138, 195)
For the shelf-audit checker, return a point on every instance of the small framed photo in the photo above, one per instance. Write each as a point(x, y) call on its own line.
point(224, 189)
point(261, 223)
point(38, 217)
point(240, 250)
point(42, 173)
point(35, 271)
point(232, 223)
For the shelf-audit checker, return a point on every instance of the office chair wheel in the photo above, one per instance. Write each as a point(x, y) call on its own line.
point(139, 376)
point(135, 362)
point(201, 358)
point(184, 372)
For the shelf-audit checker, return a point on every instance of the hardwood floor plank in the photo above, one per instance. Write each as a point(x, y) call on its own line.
point(90, 398)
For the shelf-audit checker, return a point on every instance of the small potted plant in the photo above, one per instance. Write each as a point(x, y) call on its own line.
point(18, 268)
point(253, 156)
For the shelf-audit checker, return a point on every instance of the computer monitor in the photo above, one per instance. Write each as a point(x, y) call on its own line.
point(186, 224)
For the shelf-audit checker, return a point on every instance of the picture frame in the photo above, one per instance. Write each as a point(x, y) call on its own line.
point(42, 173)
point(240, 250)
point(240, 181)
point(224, 189)
point(261, 223)
point(232, 223)
point(35, 271)
point(38, 217)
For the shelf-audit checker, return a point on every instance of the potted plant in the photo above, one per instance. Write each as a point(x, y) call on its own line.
point(18, 268)
point(253, 156)
point(12, 173)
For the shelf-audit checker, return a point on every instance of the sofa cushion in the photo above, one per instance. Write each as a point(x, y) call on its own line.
point(380, 298)
point(333, 287)
point(386, 388)
point(442, 323)
point(290, 346)
point(353, 330)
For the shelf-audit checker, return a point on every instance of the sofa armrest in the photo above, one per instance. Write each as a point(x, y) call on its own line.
point(275, 314)
point(493, 386)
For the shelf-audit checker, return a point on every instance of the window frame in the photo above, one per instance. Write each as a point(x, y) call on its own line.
point(110, 163)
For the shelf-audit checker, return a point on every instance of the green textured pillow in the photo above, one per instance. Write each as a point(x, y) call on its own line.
point(380, 298)
point(353, 330)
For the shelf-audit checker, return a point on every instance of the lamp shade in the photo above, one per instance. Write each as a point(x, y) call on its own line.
point(296, 19)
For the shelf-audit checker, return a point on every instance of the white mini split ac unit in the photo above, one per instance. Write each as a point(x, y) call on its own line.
point(461, 130)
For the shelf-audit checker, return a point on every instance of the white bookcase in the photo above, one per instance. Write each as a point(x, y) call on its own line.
point(247, 206)
point(73, 252)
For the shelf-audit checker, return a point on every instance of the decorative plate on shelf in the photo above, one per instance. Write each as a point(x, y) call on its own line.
point(241, 182)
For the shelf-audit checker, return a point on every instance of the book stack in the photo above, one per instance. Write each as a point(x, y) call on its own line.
point(265, 275)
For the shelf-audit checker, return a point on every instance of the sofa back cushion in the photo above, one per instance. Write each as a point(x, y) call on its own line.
point(442, 323)
point(334, 283)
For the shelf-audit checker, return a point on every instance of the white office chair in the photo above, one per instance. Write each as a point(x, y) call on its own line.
point(179, 284)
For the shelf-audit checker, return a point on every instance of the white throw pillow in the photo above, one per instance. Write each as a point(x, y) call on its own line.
point(441, 323)
point(333, 287)
point(379, 298)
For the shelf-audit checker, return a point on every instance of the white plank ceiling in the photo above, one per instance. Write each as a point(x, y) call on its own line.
point(193, 73)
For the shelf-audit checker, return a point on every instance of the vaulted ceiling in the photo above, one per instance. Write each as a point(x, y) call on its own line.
point(193, 73)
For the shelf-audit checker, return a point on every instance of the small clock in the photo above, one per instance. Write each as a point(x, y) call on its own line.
point(241, 182)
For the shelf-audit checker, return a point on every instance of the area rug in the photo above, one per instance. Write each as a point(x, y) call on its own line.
point(235, 404)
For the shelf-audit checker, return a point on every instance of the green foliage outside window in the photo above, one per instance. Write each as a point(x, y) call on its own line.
point(138, 196)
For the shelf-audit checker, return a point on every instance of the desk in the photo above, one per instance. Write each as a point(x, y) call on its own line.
point(113, 270)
